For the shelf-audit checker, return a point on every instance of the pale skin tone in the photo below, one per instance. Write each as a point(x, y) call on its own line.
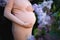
point(22, 18)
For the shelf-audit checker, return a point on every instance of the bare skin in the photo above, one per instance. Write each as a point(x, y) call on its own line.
point(22, 18)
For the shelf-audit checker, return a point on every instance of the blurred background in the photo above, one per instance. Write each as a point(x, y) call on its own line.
point(49, 32)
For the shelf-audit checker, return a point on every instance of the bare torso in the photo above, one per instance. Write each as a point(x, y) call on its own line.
point(26, 15)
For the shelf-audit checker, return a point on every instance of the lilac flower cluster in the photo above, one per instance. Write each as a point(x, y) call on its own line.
point(43, 18)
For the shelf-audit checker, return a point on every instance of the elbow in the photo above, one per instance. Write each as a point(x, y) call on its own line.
point(6, 13)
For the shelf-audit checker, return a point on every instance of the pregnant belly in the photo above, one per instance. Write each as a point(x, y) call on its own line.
point(28, 17)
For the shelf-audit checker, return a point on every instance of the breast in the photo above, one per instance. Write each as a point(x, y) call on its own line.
point(23, 14)
point(21, 3)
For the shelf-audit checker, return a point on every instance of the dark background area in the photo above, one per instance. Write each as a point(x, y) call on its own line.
point(5, 27)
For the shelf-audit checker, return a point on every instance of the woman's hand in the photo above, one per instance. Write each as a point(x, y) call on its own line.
point(28, 25)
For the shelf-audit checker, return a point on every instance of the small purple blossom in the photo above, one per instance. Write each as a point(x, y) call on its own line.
point(31, 37)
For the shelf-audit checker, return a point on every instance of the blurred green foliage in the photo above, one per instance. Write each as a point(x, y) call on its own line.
point(55, 13)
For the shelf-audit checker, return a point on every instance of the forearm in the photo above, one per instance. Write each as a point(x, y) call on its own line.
point(13, 18)
point(8, 15)
point(16, 20)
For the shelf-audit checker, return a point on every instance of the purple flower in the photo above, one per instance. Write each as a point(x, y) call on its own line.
point(3, 2)
point(31, 37)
